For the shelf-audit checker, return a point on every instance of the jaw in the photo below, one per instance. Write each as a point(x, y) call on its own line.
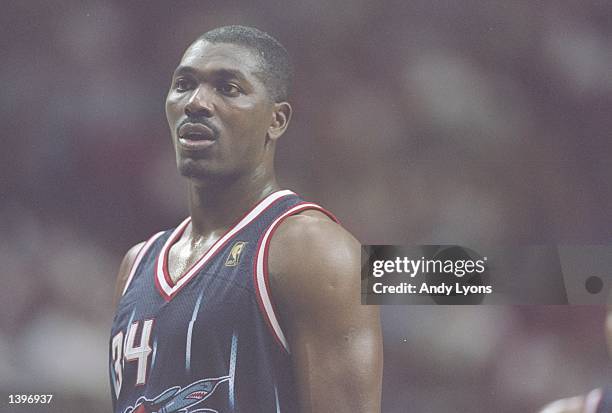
point(199, 169)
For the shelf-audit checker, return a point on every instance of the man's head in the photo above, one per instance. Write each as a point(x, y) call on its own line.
point(227, 103)
point(276, 68)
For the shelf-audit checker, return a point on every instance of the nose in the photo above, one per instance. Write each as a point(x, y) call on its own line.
point(199, 104)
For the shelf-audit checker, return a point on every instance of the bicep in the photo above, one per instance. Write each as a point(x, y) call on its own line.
point(335, 342)
point(337, 358)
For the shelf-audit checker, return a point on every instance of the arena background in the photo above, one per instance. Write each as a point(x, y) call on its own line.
point(415, 122)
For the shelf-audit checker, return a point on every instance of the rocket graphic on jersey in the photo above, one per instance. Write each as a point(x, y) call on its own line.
point(177, 399)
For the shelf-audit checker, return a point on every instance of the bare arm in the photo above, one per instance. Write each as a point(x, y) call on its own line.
point(335, 342)
point(124, 271)
point(570, 405)
point(578, 404)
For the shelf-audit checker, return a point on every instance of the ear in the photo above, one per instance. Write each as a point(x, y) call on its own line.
point(281, 115)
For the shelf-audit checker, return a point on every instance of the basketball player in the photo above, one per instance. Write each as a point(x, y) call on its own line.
point(252, 303)
point(598, 400)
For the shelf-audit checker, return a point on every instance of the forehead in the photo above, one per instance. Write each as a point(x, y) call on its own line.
point(204, 56)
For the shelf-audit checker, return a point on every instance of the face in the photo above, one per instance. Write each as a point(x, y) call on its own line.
point(221, 117)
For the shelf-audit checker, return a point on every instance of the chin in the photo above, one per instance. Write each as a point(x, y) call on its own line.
point(200, 170)
point(190, 169)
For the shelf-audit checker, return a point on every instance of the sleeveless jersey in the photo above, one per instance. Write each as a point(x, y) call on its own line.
point(211, 342)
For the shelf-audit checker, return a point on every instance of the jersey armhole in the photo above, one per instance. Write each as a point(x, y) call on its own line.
point(139, 256)
point(261, 276)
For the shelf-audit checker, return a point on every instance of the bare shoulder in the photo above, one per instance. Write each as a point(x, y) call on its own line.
point(312, 233)
point(569, 405)
point(124, 270)
point(312, 239)
point(310, 253)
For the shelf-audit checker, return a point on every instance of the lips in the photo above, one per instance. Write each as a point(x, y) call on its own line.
point(196, 132)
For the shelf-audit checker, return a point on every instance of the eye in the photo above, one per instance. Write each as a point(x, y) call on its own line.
point(181, 84)
point(229, 89)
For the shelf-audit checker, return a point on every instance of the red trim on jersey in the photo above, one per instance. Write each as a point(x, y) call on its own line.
point(159, 287)
point(170, 242)
point(296, 209)
point(217, 246)
point(141, 252)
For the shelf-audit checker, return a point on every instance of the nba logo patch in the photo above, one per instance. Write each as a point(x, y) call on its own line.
point(234, 256)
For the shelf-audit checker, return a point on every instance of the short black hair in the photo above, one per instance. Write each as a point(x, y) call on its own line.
point(274, 59)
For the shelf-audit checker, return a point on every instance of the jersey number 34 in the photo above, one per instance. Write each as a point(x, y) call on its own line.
point(123, 348)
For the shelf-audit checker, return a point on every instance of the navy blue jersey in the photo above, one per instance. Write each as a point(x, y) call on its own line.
point(212, 341)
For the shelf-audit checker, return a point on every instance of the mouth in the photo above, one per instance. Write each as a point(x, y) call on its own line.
point(196, 136)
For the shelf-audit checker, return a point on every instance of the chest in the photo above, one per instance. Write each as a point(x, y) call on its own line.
point(158, 343)
point(183, 255)
point(209, 292)
point(193, 286)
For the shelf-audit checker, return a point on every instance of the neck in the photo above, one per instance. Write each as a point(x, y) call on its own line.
point(215, 206)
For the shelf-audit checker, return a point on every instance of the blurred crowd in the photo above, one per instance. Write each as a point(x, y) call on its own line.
point(415, 122)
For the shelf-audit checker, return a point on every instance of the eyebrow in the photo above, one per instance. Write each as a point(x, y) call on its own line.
point(218, 73)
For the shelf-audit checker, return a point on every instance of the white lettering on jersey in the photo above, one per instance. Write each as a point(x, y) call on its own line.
point(117, 349)
point(132, 352)
point(142, 352)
